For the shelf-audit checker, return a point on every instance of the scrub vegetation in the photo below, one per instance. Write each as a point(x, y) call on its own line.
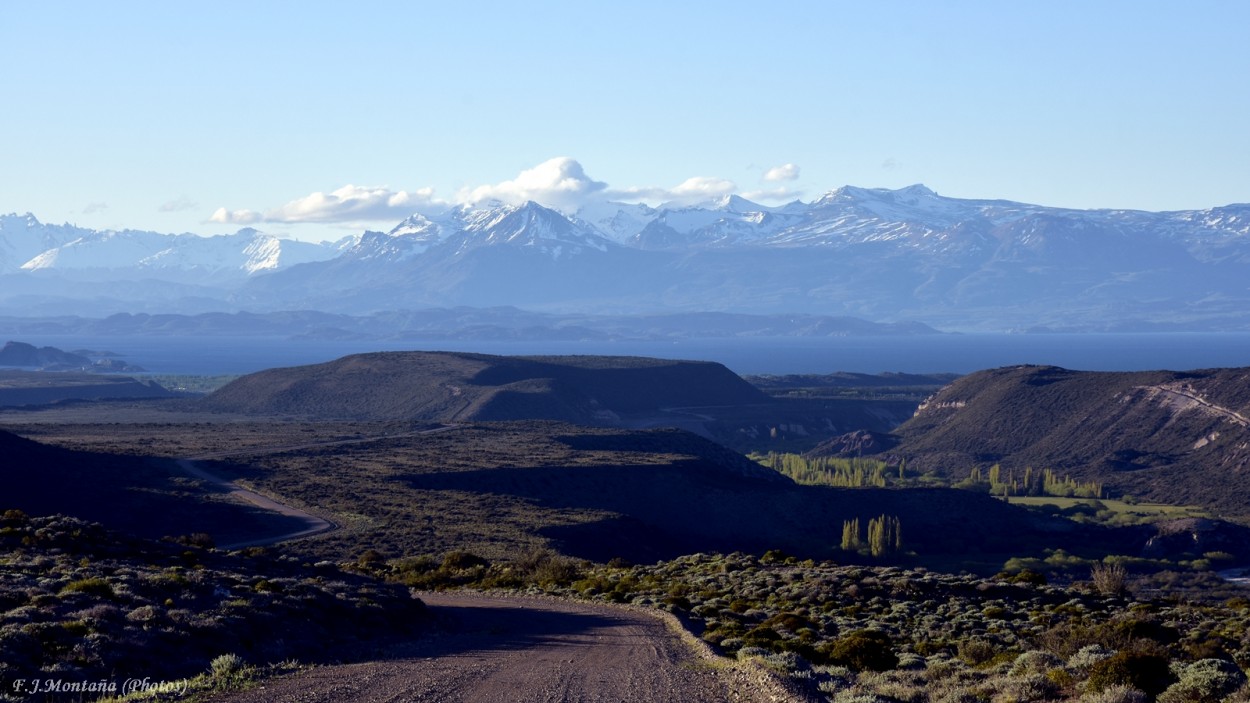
point(81, 603)
point(906, 634)
point(891, 578)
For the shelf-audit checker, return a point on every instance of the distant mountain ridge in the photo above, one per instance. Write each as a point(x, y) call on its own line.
point(463, 323)
point(30, 356)
point(23, 355)
point(27, 245)
point(878, 254)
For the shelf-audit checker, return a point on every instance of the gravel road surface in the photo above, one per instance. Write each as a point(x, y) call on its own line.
point(491, 649)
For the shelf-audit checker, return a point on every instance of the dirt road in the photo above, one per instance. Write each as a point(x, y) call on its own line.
point(520, 649)
point(313, 524)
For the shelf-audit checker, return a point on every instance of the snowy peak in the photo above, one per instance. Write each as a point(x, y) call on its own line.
point(916, 195)
point(530, 225)
point(619, 222)
point(23, 237)
point(28, 245)
point(736, 204)
point(409, 238)
point(417, 225)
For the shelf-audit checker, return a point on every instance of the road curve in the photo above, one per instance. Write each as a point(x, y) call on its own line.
point(313, 524)
point(492, 648)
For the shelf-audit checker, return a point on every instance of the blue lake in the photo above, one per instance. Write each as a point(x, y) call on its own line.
point(918, 354)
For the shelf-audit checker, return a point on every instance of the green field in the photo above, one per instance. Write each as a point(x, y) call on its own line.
point(1119, 511)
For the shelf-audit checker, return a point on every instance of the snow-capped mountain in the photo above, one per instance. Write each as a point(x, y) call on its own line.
point(617, 221)
point(35, 246)
point(888, 255)
point(529, 225)
point(22, 238)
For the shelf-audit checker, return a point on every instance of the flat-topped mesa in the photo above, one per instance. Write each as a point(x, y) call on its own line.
point(450, 386)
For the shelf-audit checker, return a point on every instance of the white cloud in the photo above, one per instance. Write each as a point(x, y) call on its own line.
point(690, 190)
point(784, 172)
point(560, 182)
point(235, 217)
point(347, 204)
point(891, 164)
point(352, 203)
point(704, 187)
point(93, 208)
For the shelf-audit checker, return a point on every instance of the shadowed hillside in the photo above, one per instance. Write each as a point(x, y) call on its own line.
point(18, 388)
point(144, 496)
point(446, 386)
point(500, 489)
point(1176, 437)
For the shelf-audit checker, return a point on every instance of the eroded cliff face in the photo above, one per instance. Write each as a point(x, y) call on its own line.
point(857, 443)
point(1176, 437)
point(1199, 537)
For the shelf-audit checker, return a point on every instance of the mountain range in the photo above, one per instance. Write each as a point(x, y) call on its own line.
point(884, 255)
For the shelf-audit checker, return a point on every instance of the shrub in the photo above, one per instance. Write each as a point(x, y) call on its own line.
point(864, 650)
point(975, 652)
point(1115, 694)
point(90, 586)
point(1087, 657)
point(14, 518)
point(144, 613)
point(852, 696)
point(460, 560)
point(370, 558)
point(1148, 673)
point(775, 556)
point(1129, 630)
point(1034, 687)
point(556, 571)
point(1205, 681)
point(1030, 577)
point(267, 586)
point(203, 540)
point(228, 671)
point(1109, 579)
point(995, 612)
point(1035, 662)
point(787, 661)
point(761, 636)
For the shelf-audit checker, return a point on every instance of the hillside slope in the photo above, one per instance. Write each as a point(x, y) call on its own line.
point(139, 495)
point(18, 388)
point(445, 386)
point(1178, 437)
point(501, 489)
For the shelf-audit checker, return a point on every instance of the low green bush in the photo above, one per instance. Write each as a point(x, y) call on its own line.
point(864, 650)
point(1146, 672)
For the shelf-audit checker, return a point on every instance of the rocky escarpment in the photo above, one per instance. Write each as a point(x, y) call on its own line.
point(857, 443)
point(1195, 537)
point(1177, 437)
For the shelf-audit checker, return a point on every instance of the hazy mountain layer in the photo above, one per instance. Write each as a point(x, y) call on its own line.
point(905, 254)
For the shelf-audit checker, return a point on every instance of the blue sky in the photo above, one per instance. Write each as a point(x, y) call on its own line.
point(206, 116)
